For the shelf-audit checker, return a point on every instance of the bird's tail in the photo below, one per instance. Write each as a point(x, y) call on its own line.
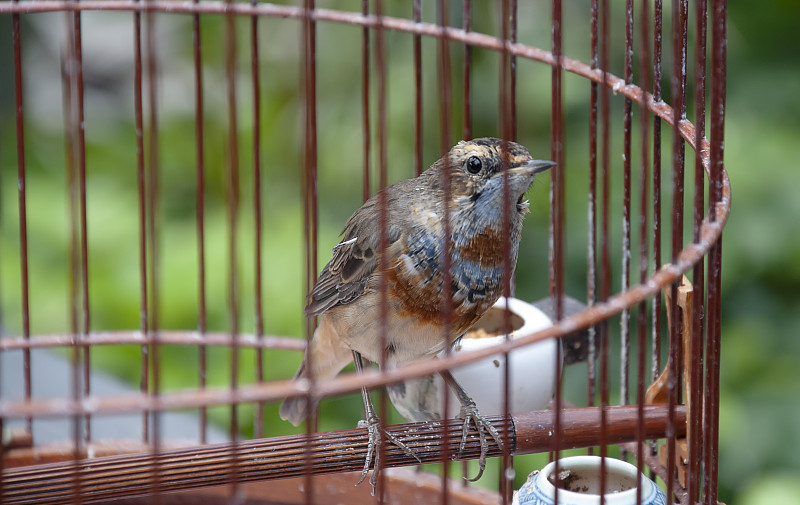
point(296, 409)
point(328, 356)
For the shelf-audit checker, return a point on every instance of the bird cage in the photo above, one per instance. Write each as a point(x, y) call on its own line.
point(173, 177)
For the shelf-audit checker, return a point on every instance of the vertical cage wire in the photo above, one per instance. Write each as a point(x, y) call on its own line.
point(686, 421)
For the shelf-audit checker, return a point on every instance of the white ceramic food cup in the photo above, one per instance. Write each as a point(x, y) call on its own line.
point(532, 368)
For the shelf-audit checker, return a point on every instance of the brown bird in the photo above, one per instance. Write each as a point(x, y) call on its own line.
point(346, 296)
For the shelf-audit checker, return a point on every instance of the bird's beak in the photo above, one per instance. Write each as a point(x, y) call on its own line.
point(532, 167)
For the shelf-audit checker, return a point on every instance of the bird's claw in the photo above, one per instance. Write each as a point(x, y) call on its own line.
point(470, 414)
point(374, 428)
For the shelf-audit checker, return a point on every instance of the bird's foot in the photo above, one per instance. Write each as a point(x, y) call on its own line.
point(373, 458)
point(470, 414)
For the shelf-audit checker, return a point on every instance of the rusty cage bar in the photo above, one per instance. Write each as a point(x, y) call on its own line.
point(171, 109)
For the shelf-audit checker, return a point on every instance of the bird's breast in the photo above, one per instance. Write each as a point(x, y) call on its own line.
point(416, 280)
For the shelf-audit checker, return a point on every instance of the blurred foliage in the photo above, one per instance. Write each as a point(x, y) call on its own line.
point(760, 377)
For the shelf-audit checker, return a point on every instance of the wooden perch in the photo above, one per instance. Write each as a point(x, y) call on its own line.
point(121, 476)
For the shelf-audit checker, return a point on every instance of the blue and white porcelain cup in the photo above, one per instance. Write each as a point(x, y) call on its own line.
point(580, 484)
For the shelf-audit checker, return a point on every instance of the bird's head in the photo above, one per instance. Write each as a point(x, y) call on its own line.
point(476, 169)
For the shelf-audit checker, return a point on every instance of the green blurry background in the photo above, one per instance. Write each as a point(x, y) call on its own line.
point(760, 411)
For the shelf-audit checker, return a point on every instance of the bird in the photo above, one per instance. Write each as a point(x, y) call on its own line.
point(484, 180)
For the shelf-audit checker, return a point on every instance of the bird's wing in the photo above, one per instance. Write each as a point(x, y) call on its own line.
point(347, 274)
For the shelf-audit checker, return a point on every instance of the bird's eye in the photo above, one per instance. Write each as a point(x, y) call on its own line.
point(474, 165)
